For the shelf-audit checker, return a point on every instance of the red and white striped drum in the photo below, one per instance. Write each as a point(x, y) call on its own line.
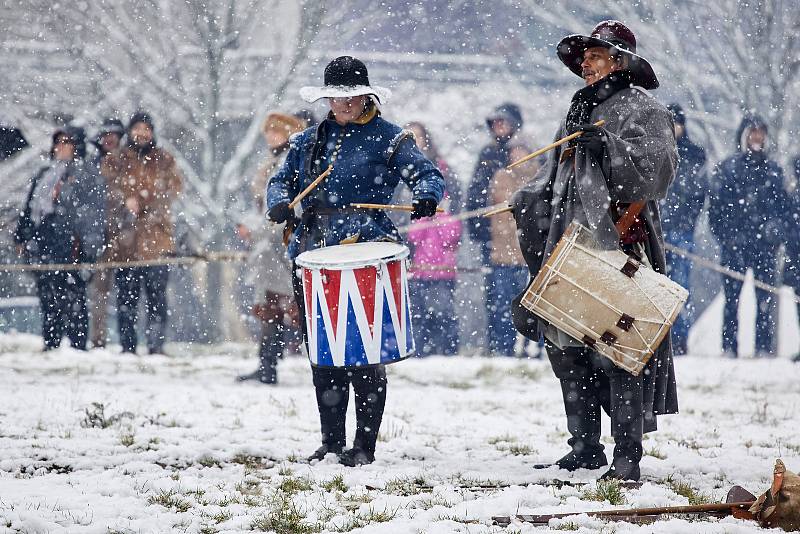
point(356, 304)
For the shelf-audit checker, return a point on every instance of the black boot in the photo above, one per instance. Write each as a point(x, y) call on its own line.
point(627, 424)
point(355, 457)
point(627, 455)
point(369, 385)
point(583, 423)
point(332, 388)
point(320, 453)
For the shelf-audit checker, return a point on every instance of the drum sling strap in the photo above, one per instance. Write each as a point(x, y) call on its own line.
point(623, 225)
point(309, 224)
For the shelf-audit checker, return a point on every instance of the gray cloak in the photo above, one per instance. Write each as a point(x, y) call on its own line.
point(641, 163)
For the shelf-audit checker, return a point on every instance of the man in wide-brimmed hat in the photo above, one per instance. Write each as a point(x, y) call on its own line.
point(369, 156)
point(592, 181)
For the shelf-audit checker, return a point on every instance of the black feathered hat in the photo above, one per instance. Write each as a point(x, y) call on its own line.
point(620, 39)
point(345, 77)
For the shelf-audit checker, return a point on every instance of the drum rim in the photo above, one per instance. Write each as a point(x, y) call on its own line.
point(355, 264)
point(410, 354)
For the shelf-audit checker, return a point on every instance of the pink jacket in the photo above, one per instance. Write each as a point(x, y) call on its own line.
point(435, 247)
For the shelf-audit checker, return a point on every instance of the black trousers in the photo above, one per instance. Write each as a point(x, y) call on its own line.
point(763, 264)
point(62, 300)
point(332, 386)
point(590, 381)
point(130, 283)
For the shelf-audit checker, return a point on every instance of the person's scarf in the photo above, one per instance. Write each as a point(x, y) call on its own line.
point(580, 112)
point(585, 100)
point(43, 201)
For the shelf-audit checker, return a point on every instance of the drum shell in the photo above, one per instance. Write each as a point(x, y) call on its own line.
point(357, 312)
point(621, 309)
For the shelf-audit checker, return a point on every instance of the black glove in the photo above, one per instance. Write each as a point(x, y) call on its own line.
point(593, 140)
point(280, 213)
point(423, 207)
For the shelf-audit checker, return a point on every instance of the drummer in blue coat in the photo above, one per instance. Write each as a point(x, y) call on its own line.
point(369, 157)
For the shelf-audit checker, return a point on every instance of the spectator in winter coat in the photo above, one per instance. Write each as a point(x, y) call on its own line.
point(746, 213)
point(269, 271)
point(507, 271)
point(503, 124)
point(432, 284)
point(679, 213)
point(143, 181)
point(369, 157)
point(436, 325)
point(63, 221)
point(106, 141)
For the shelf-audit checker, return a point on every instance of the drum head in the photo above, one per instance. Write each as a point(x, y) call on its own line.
point(353, 256)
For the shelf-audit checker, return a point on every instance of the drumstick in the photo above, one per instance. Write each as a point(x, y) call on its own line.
point(551, 146)
point(498, 211)
point(396, 207)
point(310, 187)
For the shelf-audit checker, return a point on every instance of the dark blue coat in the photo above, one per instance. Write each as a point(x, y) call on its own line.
point(372, 160)
point(747, 206)
point(75, 230)
point(687, 194)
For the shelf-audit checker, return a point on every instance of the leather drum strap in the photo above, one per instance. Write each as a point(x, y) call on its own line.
point(629, 217)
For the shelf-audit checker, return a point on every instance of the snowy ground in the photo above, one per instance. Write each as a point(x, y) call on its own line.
point(100, 442)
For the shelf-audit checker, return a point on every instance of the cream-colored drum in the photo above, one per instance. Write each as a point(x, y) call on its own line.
point(605, 299)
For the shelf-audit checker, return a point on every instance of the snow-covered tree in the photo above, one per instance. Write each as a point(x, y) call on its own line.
point(208, 71)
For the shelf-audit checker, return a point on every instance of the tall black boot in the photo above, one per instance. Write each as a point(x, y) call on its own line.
point(627, 424)
point(583, 423)
point(369, 385)
point(332, 387)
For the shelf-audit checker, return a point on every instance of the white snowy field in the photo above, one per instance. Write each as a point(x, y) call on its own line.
point(106, 443)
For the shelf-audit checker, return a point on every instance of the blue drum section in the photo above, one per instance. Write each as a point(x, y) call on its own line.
point(358, 316)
